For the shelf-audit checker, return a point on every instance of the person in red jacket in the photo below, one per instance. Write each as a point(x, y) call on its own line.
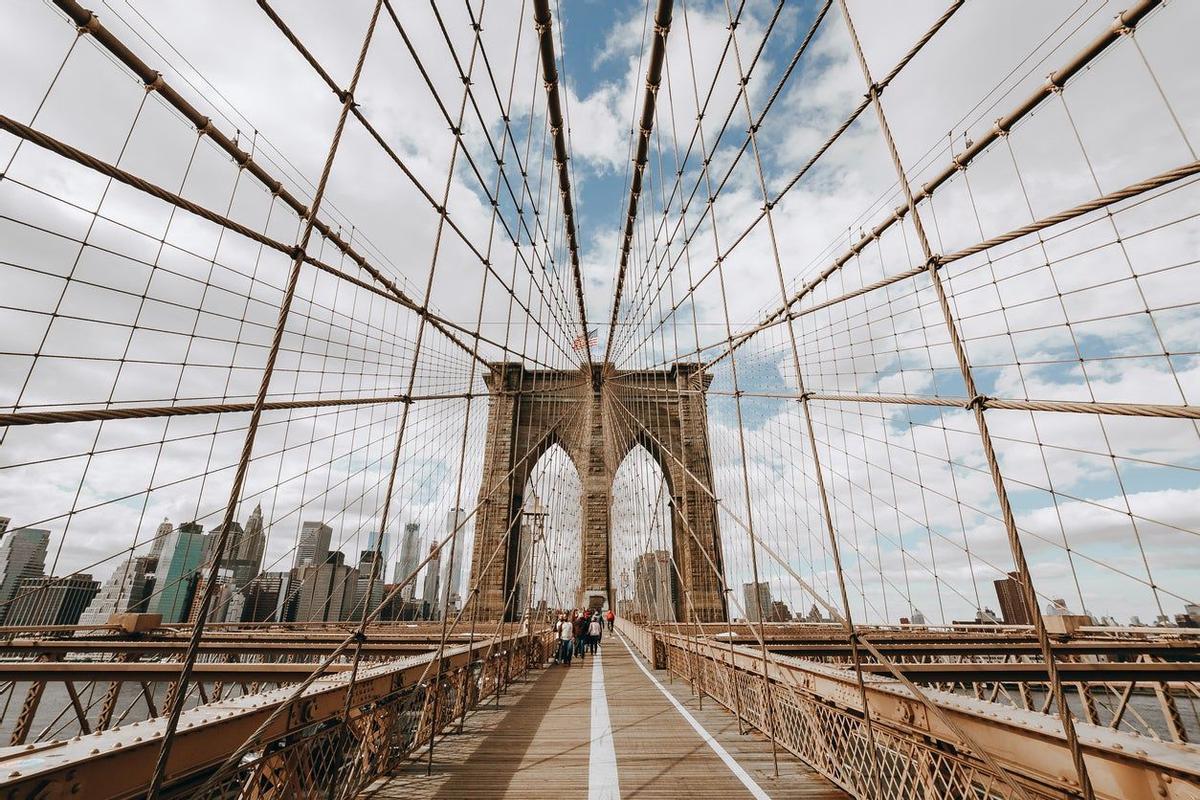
point(609, 617)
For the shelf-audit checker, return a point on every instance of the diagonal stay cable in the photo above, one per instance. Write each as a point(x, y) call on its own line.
point(439, 207)
point(180, 695)
point(88, 23)
point(819, 153)
point(295, 692)
point(1126, 22)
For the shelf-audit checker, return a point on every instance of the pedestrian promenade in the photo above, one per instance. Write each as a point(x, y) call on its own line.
point(602, 728)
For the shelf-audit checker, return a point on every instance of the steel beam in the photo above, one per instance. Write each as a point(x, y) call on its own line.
point(22, 647)
point(160, 671)
point(117, 763)
point(1121, 648)
point(987, 672)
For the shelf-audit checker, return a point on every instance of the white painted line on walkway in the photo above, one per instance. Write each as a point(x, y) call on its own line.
point(721, 752)
point(602, 758)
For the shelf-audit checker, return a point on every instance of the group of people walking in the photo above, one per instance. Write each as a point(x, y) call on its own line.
point(579, 633)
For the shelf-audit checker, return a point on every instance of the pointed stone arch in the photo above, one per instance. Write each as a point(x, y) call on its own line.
point(560, 499)
point(665, 412)
point(642, 527)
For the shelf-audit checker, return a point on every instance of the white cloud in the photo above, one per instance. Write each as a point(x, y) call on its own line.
point(909, 488)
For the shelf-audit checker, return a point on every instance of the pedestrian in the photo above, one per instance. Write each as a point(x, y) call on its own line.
point(580, 630)
point(594, 628)
point(610, 617)
point(565, 636)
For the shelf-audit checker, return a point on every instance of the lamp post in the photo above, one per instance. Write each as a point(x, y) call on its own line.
point(533, 524)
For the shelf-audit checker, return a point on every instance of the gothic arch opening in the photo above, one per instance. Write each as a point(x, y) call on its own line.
point(643, 538)
point(544, 564)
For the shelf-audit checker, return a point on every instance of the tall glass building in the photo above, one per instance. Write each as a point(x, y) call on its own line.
point(182, 554)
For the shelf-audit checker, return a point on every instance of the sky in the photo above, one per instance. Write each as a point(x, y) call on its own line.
point(160, 307)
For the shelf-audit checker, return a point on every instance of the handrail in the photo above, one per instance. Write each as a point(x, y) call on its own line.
point(821, 708)
point(116, 763)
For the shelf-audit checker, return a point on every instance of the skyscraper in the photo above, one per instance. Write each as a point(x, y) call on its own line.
point(183, 553)
point(751, 603)
point(1012, 601)
point(1057, 608)
point(265, 597)
point(22, 555)
point(652, 586)
point(312, 548)
point(432, 572)
point(226, 604)
point(521, 591)
point(127, 589)
point(326, 590)
point(779, 612)
point(52, 601)
point(396, 607)
point(533, 526)
point(368, 567)
point(160, 538)
point(450, 580)
point(249, 555)
point(373, 540)
point(232, 542)
point(814, 615)
point(410, 556)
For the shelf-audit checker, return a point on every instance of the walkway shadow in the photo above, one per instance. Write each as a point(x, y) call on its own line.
point(491, 767)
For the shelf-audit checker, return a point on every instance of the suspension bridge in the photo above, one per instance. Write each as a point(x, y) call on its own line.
point(839, 358)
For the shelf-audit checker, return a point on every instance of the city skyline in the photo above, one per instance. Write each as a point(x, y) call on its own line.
point(169, 579)
point(159, 584)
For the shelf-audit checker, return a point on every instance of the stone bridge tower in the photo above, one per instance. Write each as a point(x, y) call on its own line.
point(597, 419)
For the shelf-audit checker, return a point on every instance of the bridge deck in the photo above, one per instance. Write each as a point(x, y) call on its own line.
point(549, 739)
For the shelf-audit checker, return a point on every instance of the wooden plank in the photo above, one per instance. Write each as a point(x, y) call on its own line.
point(537, 744)
point(534, 745)
point(659, 755)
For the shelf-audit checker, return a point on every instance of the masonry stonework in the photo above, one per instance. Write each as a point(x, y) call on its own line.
point(597, 418)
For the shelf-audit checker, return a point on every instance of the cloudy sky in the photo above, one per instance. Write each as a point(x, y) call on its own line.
point(114, 298)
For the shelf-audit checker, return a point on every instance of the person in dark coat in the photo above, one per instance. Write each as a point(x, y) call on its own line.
point(580, 630)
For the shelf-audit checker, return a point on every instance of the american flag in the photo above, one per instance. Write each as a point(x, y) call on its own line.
point(586, 342)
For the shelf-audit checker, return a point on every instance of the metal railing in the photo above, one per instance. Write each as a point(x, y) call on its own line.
point(925, 743)
point(312, 749)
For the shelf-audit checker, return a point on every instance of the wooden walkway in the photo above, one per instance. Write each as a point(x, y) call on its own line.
point(548, 739)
